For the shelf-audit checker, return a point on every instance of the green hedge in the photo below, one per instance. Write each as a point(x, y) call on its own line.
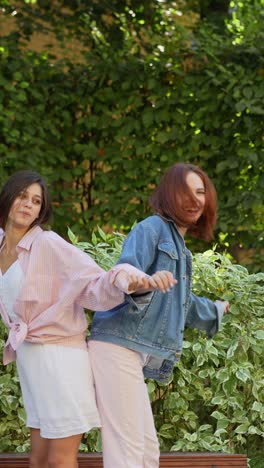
point(214, 401)
point(103, 127)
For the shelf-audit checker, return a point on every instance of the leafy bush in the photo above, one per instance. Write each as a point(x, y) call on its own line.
point(214, 401)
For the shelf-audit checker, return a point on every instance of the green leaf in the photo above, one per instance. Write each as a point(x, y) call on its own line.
point(101, 233)
point(242, 429)
point(72, 237)
point(243, 374)
point(257, 406)
point(218, 415)
point(151, 387)
point(259, 334)
point(231, 350)
point(219, 400)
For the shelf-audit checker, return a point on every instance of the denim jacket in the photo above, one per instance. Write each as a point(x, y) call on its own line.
point(154, 322)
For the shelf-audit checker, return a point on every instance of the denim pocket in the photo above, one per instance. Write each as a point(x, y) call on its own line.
point(169, 249)
point(139, 302)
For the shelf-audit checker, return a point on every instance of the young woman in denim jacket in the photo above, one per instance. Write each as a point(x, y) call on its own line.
point(45, 282)
point(143, 337)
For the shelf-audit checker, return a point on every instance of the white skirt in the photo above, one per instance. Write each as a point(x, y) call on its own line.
point(58, 389)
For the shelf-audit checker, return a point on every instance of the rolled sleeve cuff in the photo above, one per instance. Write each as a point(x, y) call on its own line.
point(126, 267)
point(220, 309)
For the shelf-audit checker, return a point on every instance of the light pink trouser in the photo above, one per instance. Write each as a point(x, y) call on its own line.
point(128, 432)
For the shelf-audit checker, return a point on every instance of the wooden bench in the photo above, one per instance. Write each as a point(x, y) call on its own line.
point(167, 460)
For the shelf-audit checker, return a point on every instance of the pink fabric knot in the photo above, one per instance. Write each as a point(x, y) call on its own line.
point(17, 334)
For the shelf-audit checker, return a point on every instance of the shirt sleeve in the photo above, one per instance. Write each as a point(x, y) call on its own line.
point(78, 277)
point(100, 292)
point(204, 315)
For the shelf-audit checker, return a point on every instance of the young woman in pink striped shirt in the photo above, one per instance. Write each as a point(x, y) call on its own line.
point(45, 284)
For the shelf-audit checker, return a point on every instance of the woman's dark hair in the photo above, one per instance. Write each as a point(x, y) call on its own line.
point(16, 185)
point(168, 195)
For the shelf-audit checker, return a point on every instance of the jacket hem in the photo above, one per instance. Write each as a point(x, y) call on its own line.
point(135, 346)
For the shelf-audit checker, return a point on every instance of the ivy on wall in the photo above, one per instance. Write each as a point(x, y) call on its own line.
point(104, 127)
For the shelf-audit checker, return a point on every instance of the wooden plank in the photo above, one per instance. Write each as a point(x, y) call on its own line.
point(167, 460)
point(196, 460)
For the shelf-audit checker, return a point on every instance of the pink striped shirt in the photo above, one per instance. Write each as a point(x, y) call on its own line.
point(60, 280)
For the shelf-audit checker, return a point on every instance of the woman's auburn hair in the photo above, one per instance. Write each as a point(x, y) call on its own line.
point(169, 193)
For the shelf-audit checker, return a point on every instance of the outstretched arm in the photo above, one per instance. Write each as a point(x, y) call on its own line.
point(205, 314)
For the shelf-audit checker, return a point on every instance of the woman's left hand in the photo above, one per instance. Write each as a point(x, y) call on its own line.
point(162, 280)
point(131, 282)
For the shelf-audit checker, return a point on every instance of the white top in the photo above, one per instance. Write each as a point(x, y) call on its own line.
point(10, 285)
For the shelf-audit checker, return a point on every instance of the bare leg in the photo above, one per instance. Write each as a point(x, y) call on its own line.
point(62, 453)
point(54, 453)
point(39, 450)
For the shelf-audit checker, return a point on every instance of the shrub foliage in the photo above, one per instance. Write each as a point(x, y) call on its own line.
point(214, 400)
